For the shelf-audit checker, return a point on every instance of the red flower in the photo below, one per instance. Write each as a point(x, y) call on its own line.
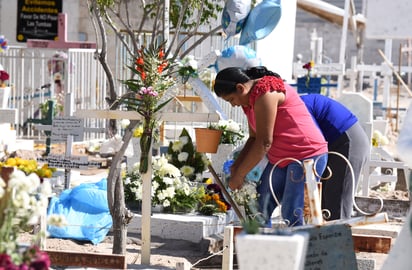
point(140, 61)
point(309, 65)
point(4, 76)
point(161, 54)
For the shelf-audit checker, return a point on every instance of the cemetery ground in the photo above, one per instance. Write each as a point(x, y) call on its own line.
point(166, 253)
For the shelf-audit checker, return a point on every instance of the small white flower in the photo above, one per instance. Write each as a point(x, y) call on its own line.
point(168, 180)
point(187, 170)
point(170, 192)
point(124, 123)
point(182, 157)
point(184, 140)
point(168, 169)
point(166, 203)
point(177, 146)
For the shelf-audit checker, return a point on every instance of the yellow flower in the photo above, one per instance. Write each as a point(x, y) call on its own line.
point(209, 181)
point(138, 131)
point(11, 162)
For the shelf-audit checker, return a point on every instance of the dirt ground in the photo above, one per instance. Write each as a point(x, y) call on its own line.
point(165, 254)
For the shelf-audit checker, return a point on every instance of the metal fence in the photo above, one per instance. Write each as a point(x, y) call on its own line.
point(35, 74)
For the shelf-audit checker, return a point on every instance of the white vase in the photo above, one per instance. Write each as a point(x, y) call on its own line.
point(221, 156)
point(271, 251)
point(4, 97)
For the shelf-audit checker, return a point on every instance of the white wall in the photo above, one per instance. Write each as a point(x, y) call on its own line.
point(276, 50)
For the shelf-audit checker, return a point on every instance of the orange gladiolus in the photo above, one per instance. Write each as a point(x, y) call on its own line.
point(140, 61)
point(161, 54)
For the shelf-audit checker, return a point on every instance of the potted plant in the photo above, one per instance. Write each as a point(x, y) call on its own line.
point(232, 136)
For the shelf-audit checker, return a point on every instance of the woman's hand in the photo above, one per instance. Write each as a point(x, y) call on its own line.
point(235, 183)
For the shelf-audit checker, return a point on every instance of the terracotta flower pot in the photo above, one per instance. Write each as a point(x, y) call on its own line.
point(207, 140)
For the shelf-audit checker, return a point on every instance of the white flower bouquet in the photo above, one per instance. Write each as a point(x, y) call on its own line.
point(183, 155)
point(170, 188)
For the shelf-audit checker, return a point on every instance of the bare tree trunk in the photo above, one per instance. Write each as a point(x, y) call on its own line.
point(121, 216)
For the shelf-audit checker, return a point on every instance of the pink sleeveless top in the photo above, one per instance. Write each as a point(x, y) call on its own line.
point(295, 134)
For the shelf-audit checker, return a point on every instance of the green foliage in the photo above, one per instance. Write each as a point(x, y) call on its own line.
point(44, 108)
point(210, 9)
point(105, 3)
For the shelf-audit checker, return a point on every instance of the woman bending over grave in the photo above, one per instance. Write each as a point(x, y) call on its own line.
point(281, 127)
point(344, 135)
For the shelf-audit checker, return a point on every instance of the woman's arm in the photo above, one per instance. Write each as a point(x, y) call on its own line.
point(258, 145)
point(245, 150)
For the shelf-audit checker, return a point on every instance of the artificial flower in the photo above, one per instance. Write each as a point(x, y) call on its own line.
point(187, 68)
point(308, 66)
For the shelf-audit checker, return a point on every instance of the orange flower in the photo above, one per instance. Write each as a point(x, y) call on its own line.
point(140, 69)
point(143, 75)
point(161, 54)
point(140, 61)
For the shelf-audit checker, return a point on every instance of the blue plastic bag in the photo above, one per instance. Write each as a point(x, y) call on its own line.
point(86, 210)
point(254, 174)
point(261, 21)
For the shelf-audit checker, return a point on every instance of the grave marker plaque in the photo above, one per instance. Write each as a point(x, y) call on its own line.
point(330, 247)
point(71, 162)
point(65, 126)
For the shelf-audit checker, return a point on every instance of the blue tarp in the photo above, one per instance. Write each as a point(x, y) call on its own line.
point(86, 211)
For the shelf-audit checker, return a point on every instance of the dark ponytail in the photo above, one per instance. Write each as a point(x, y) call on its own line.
point(259, 72)
point(227, 79)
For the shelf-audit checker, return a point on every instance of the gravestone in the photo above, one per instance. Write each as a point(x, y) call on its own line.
point(360, 106)
point(267, 252)
point(329, 247)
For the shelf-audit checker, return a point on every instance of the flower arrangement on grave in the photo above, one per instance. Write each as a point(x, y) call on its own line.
point(147, 89)
point(29, 166)
point(4, 77)
point(187, 68)
point(213, 201)
point(231, 131)
point(246, 197)
point(22, 199)
point(170, 189)
point(308, 66)
point(182, 154)
point(57, 108)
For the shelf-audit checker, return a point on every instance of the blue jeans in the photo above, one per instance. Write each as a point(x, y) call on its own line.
point(288, 185)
